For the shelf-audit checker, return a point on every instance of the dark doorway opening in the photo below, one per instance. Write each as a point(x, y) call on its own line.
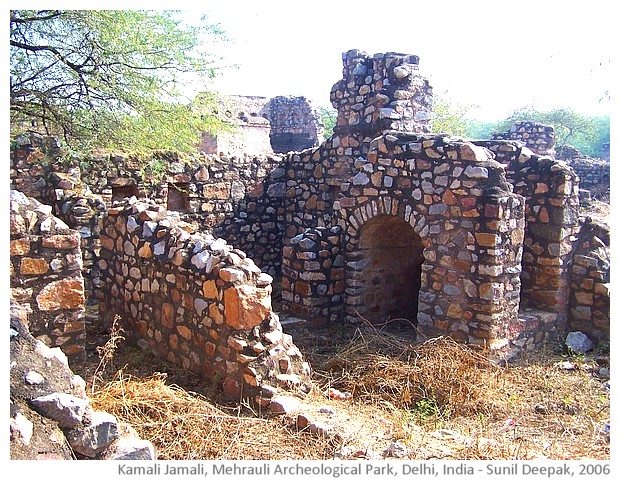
point(178, 197)
point(391, 278)
point(124, 191)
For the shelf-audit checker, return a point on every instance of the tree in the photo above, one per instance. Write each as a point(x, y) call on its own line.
point(108, 78)
point(329, 117)
point(450, 118)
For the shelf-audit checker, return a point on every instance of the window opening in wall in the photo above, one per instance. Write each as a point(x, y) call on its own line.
point(124, 191)
point(178, 197)
point(391, 277)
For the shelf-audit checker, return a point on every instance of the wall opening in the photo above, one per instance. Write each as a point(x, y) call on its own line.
point(124, 191)
point(178, 197)
point(391, 276)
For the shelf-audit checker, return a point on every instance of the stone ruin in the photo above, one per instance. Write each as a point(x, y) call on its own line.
point(383, 223)
point(594, 173)
point(261, 126)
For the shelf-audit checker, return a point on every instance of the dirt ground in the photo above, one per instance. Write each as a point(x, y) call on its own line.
point(432, 400)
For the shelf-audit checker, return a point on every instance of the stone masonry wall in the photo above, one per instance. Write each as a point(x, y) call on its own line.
point(295, 124)
point(36, 168)
point(313, 274)
point(195, 301)
point(550, 189)
point(590, 278)
point(593, 173)
point(236, 198)
point(539, 138)
point(384, 92)
point(46, 275)
point(456, 199)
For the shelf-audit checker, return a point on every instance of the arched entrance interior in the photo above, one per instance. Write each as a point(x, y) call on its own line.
point(391, 277)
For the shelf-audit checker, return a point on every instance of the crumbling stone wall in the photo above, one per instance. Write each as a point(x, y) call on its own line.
point(441, 204)
point(590, 278)
point(382, 92)
point(195, 301)
point(536, 136)
point(295, 124)
point(261, 126)
point(46, 274)
point(550, 189)
point(38, 170)
point(593, 173)
point(238, 199)
point(469, 226)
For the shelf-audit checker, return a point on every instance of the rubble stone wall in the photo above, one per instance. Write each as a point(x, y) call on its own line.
point(295, 124)
point(236, 198)
point(46, 275)
point(382, 92)
point(593, 173)
point(456, 199)
point(195, 301)
point(37, 171)
point(538, 137)
point(550, 189)
point(590, 279)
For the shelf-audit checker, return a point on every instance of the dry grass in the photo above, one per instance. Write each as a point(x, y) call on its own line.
point(530, 409)
point(187, 426)
point(442, 399)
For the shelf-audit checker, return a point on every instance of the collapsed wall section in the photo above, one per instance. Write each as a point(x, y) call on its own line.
point(195, 301)
point(593, 173)
point(536, 136)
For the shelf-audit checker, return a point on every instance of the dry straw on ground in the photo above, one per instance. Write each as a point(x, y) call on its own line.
point(444, 400)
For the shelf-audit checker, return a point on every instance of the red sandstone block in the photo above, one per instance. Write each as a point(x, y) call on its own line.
point(20, 246)
point(62, 242)
point(33, 266)
point(67, 293)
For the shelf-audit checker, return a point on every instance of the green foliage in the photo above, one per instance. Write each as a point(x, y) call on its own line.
point(329, 116)
point(479, 130)
point(450, 118)
point(108, 78)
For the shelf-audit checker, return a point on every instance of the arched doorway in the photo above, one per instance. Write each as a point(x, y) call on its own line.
point(392, 255)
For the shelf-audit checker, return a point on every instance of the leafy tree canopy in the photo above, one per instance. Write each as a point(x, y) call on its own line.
point(109, 78)
point(450, 118)
point(329, 117)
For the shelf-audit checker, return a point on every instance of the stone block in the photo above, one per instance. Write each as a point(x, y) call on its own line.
point(246, 306)
point(33, 266)
point(20, 246)
point(62, 294)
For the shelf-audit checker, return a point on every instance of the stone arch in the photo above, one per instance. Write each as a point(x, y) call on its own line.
point(353, 220)
point(392, 256)
point(385, 242)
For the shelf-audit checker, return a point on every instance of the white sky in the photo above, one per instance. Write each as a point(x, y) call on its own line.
point(496, 56)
